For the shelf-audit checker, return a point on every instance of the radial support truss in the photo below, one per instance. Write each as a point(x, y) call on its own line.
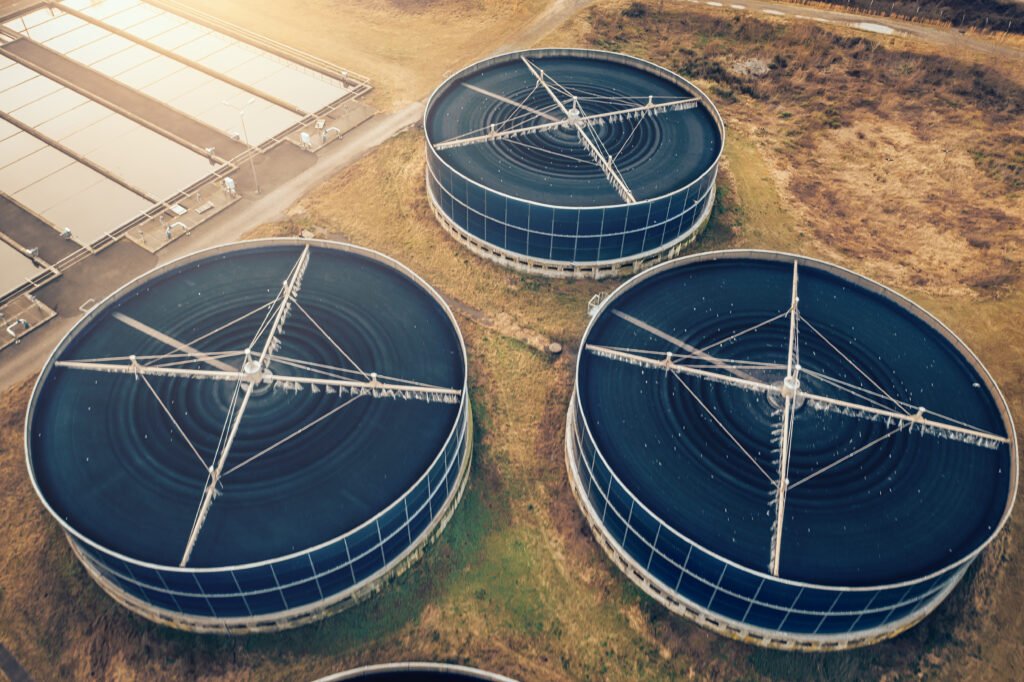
point(507, 100)
point(256, 370)
point(253, 370)
point(494, 134)
point(571, 117)
point(173, 343)
point(603, 160)
point(790, 386)
point(867, 404)
point(372, 387)
point(667, 361)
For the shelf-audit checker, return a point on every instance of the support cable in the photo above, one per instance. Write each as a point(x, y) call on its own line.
point(526, 118)
point(507, 100)
point(846, 457)
point(344, 373)
point(856, 391)
point(692, 351)
point(723, 427)
point(174, 421)
point(854, 365)
point(293, 434)
point(580, 160)
point(519, 106)
point(610, 171)
point(718, 362)
point(332, 341)
point(168, 340)
point(221, 328)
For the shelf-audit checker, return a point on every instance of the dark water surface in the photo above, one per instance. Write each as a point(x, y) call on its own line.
point(900, 509)
point(663, 153)
point(109, 461)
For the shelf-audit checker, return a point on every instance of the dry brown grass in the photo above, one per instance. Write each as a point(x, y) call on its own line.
point(897, 163)
point(988, 15)
point(403, 46)
point(910, 163)
point(516, 584)
point(381, 203)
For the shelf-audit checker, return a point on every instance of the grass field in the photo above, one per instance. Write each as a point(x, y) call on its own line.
point(995, 15)
point(404, 46)
point(516, 584)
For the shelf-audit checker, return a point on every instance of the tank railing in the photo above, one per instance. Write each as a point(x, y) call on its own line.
point(940, 583)
point(711, 171)
point(503, 246)
point(381, 669)
point(704, 192)
point(449, 463)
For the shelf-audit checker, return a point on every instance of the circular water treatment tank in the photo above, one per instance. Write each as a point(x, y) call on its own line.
point(416, 672)
point(255, 435)
point(571, 162)
point(785, 451)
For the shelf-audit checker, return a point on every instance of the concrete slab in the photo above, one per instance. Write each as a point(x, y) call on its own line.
point(96, 211)
point(125, 150)
point(246, 63)
point(169, 86)
point(15, 268)
point(124, 97)
point(28, 231)
point(135, 57)
point(31, 169)
point(26, 93)
point(77, 38)
point(50, 107)
point(18, 145)
point(13, 73)
point(68, 181)
point(70, 122)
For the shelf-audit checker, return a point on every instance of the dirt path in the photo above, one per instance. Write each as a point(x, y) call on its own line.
point(950, 38)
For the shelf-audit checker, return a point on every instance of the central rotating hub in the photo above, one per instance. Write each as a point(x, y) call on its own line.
point(253, 371)
point(787, 388)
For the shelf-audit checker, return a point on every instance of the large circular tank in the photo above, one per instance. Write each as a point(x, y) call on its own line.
point(785, 451)
point(255, 435)
point(571, 162)
point(416, 672)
